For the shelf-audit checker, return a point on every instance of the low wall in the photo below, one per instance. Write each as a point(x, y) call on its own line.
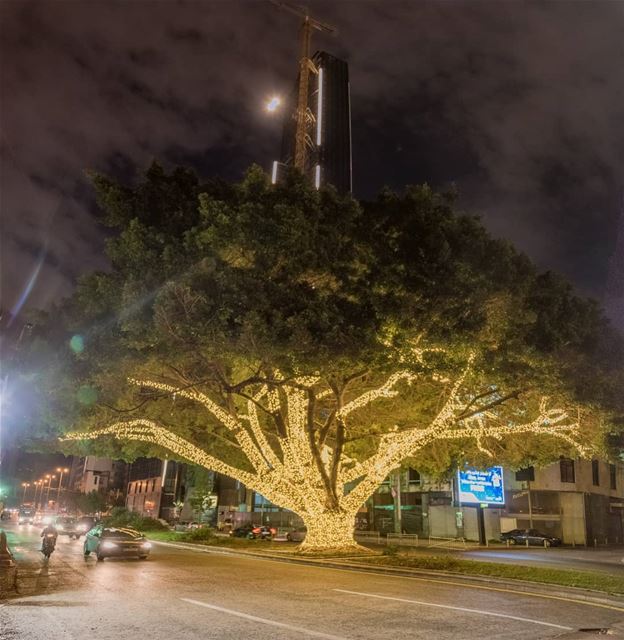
point(8, 569)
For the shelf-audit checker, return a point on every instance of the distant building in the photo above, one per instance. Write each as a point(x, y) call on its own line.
point(581, 501)
point(91, 473)
point(329, 139)
point(154, 486)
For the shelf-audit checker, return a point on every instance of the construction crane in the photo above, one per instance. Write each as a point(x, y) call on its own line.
point(303, 115)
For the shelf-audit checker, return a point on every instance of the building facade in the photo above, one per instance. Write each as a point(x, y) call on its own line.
point(581, 501)
point(155, 486)
point(329, 160)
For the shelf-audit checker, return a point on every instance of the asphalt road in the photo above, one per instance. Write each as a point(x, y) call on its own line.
point(186, 594)
point(608, 560)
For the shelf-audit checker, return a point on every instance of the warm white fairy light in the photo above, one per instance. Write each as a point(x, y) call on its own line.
point(292, 467)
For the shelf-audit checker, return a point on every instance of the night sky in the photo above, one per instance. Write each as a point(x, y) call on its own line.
point(520, 104)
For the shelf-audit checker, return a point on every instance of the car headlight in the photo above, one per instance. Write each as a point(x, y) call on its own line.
point(107, 544)
point(146, 545)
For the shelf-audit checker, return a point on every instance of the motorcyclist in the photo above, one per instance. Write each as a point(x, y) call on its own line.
point(48, 529)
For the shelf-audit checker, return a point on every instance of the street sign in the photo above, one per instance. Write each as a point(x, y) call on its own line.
point(481, 487)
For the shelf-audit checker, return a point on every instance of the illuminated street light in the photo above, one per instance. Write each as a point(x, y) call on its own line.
point(50, 478)
point(37, 483)
point(25, 485)
point(273, 103)
point(60, 470)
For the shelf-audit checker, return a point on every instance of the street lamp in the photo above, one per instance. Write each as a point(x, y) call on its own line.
point(50, 478)
point(60, 470)
point(25, 485)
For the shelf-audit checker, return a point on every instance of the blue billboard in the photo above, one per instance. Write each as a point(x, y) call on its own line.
point(481, 487)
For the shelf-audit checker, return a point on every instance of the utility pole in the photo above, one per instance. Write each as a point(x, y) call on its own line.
point(303, 115)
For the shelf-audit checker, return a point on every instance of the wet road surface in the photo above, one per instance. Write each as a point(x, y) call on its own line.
point(185, 594)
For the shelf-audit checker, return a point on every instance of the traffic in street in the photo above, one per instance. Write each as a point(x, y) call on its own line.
point(178, 592)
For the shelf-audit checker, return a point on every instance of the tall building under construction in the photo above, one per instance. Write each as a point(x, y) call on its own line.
point(327, 157)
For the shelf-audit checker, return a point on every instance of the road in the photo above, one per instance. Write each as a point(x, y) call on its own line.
point(608, 560)
point(186, 594)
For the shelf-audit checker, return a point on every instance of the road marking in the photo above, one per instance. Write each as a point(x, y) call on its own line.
point(274, 623)
point(375, 571)
point(465, 609)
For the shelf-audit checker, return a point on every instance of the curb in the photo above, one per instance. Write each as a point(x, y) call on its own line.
point(524, 586)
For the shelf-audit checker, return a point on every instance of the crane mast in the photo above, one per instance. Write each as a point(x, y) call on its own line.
point(303, 116)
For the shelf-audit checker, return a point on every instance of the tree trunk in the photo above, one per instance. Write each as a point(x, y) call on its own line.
point(329, 531)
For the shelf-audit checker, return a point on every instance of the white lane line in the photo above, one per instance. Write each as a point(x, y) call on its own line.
point(274, 623)
point(448, 606)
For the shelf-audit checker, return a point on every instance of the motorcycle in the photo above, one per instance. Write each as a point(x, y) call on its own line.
point(49, 543)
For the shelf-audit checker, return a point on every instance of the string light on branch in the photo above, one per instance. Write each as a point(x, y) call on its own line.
point(291, 444)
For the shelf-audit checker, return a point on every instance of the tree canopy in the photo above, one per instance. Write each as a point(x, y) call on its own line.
point(231, 309)
point(265, 330)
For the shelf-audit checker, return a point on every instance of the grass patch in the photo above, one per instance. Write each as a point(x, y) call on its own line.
point(206, 537)
point(564, 577)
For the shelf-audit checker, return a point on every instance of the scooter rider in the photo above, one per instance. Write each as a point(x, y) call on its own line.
point(49, 529)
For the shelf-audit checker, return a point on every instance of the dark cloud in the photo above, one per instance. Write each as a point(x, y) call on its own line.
point(520, 104)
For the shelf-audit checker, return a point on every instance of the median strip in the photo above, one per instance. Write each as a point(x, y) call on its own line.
point(274, 623)
point(453, 608)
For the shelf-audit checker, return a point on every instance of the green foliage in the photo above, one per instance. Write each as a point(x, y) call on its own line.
point(121, 517)
point(213, 283)
point(205, 534)
point(93, 502)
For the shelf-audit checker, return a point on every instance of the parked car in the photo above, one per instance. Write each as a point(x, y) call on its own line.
point(296, 535)
point(252, 531)
point(110, 542)
point(533, 536)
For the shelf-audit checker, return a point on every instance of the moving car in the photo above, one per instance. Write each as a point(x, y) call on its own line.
point(110, 542)
point(84, 524)
point(66, 526)
point(533, 536)
point(252, 531)
point(26, 516)
point(297, 535)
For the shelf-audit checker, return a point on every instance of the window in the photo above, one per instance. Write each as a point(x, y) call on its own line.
point(612, 479)
point(567, 470)
point(413, 477)
point(595, 473)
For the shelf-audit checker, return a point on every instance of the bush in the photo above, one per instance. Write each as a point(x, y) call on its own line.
point(203, 534)
point(390, 550)
point(121, 517)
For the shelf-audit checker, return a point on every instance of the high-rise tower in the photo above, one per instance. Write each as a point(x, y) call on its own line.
point(316, 136)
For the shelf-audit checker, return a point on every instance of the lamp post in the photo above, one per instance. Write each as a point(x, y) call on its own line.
point(60, 470)
point(37, 483)
point(50, 478)
point(25, 485)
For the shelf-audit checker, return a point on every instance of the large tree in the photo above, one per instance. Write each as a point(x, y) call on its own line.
point(307, 345)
